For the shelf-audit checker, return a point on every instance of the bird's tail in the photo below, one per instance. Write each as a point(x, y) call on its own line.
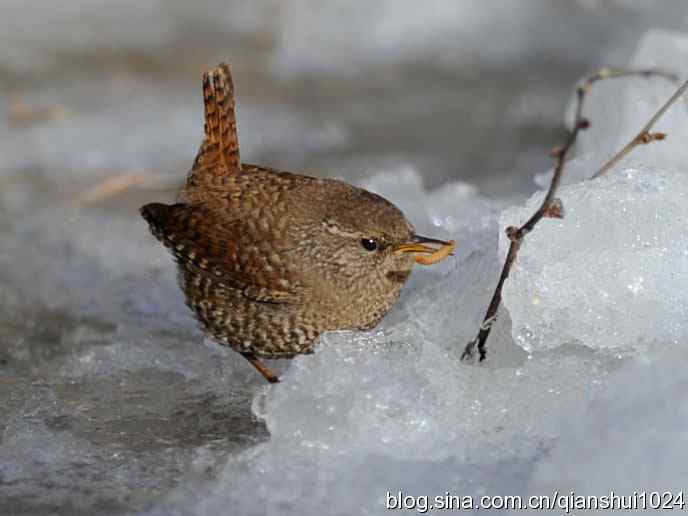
point(219, 152)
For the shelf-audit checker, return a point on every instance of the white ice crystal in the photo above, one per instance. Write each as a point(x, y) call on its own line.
point(395, 410)
point(612, 273)
point(107, 386)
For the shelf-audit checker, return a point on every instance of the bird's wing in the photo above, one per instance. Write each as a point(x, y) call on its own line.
point(219, 152)
point(220, 251)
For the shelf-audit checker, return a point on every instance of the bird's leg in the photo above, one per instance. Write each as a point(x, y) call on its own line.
point(262, 368)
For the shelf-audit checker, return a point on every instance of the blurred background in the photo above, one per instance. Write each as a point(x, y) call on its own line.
point(104, 407)
point(467, 90)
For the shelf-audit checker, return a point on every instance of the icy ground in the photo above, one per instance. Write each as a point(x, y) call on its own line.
point(112, 402)
point(585, 386)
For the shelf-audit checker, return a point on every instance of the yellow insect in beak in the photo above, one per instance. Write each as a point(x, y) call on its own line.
point(427, 255)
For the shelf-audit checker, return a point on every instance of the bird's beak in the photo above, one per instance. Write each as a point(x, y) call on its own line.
point(428, 255)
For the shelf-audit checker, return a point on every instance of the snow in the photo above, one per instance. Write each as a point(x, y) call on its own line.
point(627, 438)
point(597, 307)
point(620, 260)
point(113, 402)
point(340, 37)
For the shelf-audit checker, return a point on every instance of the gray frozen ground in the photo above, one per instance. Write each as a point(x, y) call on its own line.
point(113, 403)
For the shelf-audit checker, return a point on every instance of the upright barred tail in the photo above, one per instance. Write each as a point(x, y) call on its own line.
point(219, 152)
point(220, 121)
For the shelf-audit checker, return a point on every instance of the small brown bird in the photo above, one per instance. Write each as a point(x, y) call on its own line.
point(269, 260)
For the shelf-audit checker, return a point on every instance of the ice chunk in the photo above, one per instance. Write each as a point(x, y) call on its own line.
point(110, 398)
point(374, 413)
point(619, 108)
point(613, 273)
point(626, 438)
point(394, 408)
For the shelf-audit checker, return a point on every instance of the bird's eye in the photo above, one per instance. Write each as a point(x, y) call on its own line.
point(369, 244)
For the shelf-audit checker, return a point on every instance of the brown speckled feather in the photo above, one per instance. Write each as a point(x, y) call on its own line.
point(225, 252)
point(268, 260)
point(218, 156)
point(245, 313)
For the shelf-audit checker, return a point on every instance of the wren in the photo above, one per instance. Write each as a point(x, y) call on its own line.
point(268, 260)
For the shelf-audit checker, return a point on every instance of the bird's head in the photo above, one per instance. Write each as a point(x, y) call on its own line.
point(360, 248)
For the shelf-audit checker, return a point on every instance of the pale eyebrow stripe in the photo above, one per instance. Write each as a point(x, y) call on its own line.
point(331, 227)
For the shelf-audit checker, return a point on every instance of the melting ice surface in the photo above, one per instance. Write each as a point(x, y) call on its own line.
point(583, 389)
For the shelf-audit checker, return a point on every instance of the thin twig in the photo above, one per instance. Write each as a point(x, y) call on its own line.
point(122, 183)
point(551, 206)
point(644, 136)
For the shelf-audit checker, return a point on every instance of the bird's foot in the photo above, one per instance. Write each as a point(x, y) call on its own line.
point(261, 368)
